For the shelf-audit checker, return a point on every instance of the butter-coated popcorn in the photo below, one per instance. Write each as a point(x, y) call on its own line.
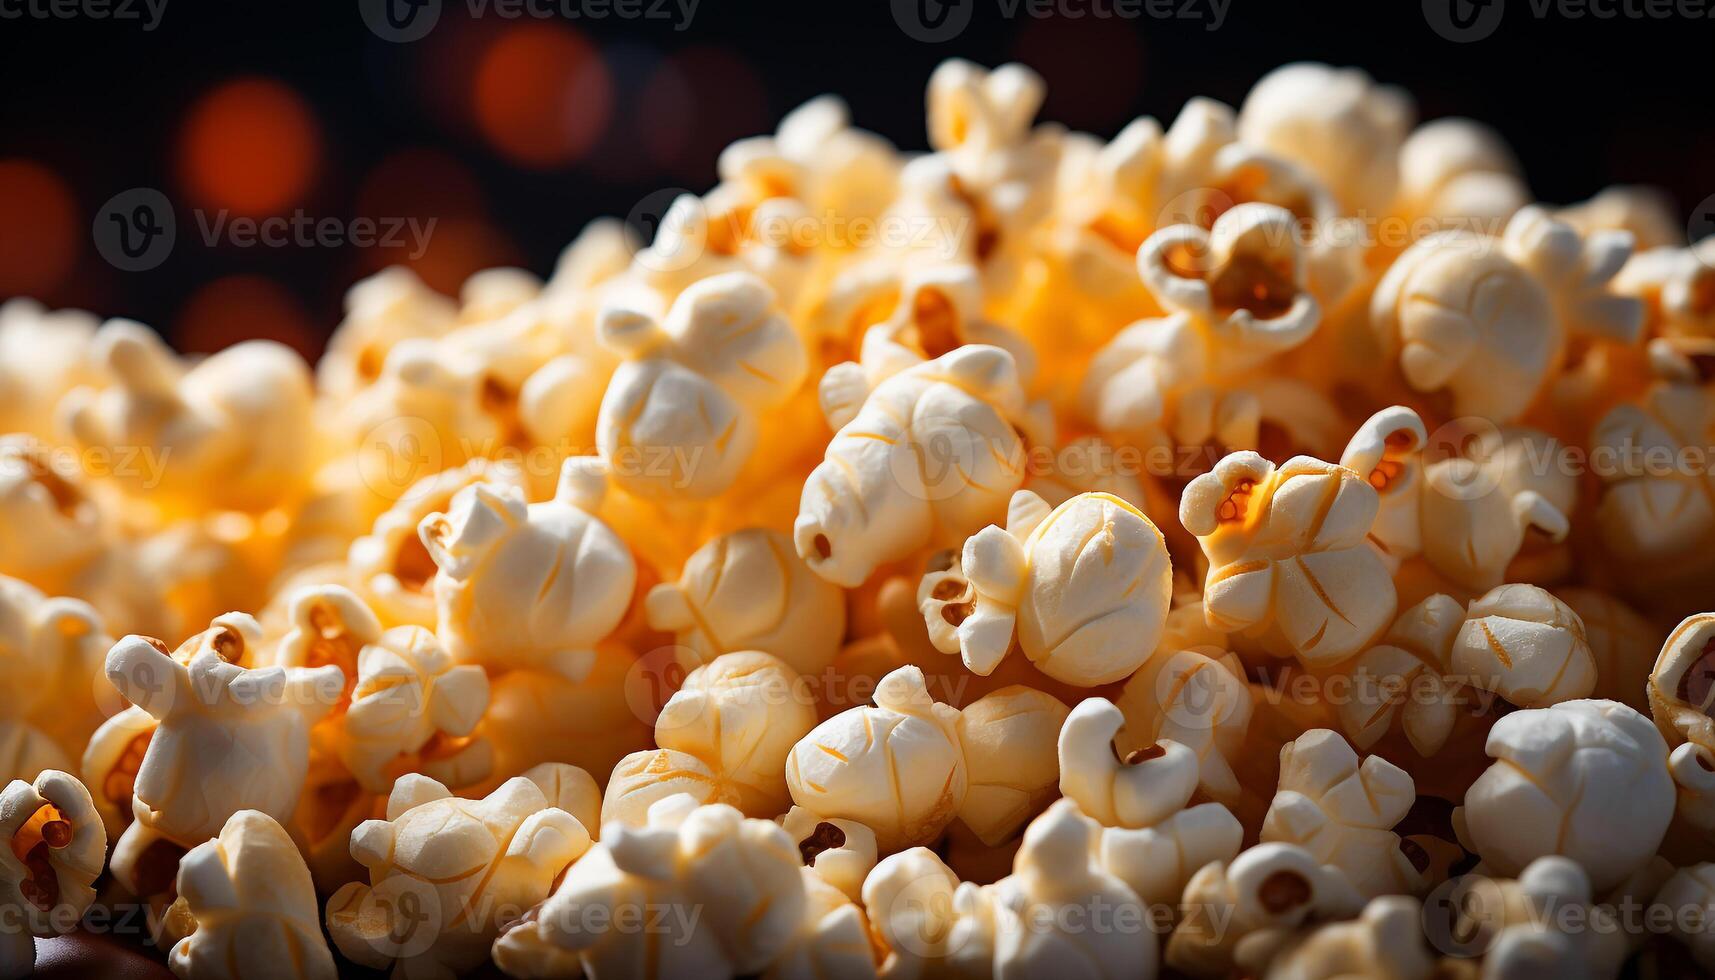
point(1009, 737)
point(1647, 212)
point(1594, 771)
point(1289, 560)
point(111, 762)
point(1195, 695)
point(57, 531)
point(1336, 121)
point(51, 651)
point(444, 871)
point(1679, 691)
point(939, 310)
point(45, 353)
point(253, 905)
point(1457, 171)
point(1083, 590)
point(55, 848)
point(693, 386)
point(1525, 645)
point(749, 590)
point(841, 852)
point(409, 693)
point(927, 453)
point(534, 585)
point(1405, 681)
point(391, 306)
point(897, 767)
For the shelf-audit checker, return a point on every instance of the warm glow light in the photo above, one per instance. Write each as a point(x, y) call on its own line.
point(542, 95)
point(250, 145)
point(237, 308)
point(39, 232)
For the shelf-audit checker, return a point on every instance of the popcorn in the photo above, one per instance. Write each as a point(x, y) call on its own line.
point(692, 387)
point(47, 874)
point(1008, 737)
point(50, 656)
point(898, 767)
point(1385, 942)
point(112, 761)
point(1336, 121)
point(536, 716)
point(940, 310)
point(749, 590)
point(410, 694)
point(840, 852)
point(1679, 698)
point(1693, 887)
point(1548, 763)
point(1195, 696)
point(833, 940)
point(1405, 681)
point(1269, 886)
point(1459, 172)
point(446, 873)
point(1289, 563)
point(930, 923)
point(57, 531)
point(1622, 643)
point(1644, 211)
point(1658, 517)
point(528, 585)
point(252, 901)
point(46, 353)
point(1082, 589)
point(1343, 812)
point(929, 453)
point(1546, 920)
point(1525, 645)
point(381, 311)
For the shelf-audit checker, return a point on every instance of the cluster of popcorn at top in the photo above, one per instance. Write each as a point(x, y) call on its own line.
point(707, 609)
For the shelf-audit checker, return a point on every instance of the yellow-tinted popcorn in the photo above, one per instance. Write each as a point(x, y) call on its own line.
point(1140, 789)
point(1404, 681)
point(1009, 737)
point(1458, 173)
point(929, 922)
point(897, 767)
point(533, 585)
point(1547, 761)
point(409, 693)
point(57, 531)
point(381, 311)
point(749, 590)
point(1385, 942)
point(50, 656)
point(940, 310)
point(1289, 561)
point(1194, 695)
point(1647, 212)
point(111, 762)
point(921, 453)
point(1525, 645)
point(446, 873)
point(56, 844)
point(45, 354)
point(817, 157)
point(841, 852)
point(1082, 589)
point(1679, 692)
point(252, 902)
point(833, 941)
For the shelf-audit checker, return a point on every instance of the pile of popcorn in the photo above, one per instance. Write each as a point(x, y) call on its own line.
point(1264, 546)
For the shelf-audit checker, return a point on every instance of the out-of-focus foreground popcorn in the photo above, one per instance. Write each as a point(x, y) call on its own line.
point(1264, 545)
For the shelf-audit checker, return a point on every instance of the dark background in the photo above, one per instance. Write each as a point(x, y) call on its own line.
point(514, 133)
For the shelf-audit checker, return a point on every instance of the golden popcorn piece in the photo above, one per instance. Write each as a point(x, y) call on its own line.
point(111, 762)
point(534, 585)
point(45, 353)
point(841, 852)
point(425, 411)
point(251, 901)
point(1267, 887)
point(898, 767)
point(1013, 771)
point(1289, 561)
point(1343, 812)
point(381, 311)
point(749, 590)
point(1658, 519)
point(816, 156)
point(58, 531)
point(536, 716)
point(1646, 212)
point(940, 310)
point(930, 924)
point(56, 846)
point(1386, 942)
point(1677, 287)
point(1681, 690)
point(724, 896)
point(413, 706)
point(1547, 761)
point(1083, 590)
point(50, 655)
point(1458, 173)
point(922, 453)
point(445, 874)
point(688, 397)
point(1197, 696)
point(1406, 681)
point(1525, 645)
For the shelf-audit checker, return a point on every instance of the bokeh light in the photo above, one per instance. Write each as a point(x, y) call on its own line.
point(541, 95)
point(40, 232)
point(251, 145)
point(244, 307)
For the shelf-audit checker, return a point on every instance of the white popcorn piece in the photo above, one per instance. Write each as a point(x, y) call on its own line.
point(1289, 559)
point(232, 432)
point(534, 585)
point(940, 310)
point(1140, 789)
point(1385, 942)
point(229, 738)
point(1549, 763)
point(391, 306)
point(1681, 689)
point(1269, 886)
point(1157, 862)
point(55, 848)
point(897, 768)
point(252, 902)
point(688, 398)
point(1083, 590)
point(410, 693)
point(46, 353)
point(924, 454)
point(719, 895)
point(1525, 645)
point(833, 941)
point(446, 873)
point(1647, 212)
point(1343, 811)
point(1013, 770)
point(841, 852)
point(1693, 888)
point(1653, 515)
point(1622, 642)
point(1056, 868)
point(816, 156)
point(1456, 172)
point(1197, 696)
point(1337, 122)
point(1405, 681)
point(57, 530)
point(111, 762)
point(1546, 922)
point(749, 590)
point(51, 651)
point(930, 923)
point(647, 776)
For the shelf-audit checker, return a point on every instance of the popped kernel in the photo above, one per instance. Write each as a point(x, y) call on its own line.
point(251, 900)
point(1196, 695)
point(1459, 172)
point(1681, 689)
point(692, 387)
point(749, 590)
point(940, 310)
point(57, 532)
point(1008, 738)
point(1693, 887)
point(381, 311)
point(1659, 519)
point(1404, 681)
point(840, 852)
point(1289, 560)
point(1622, 642)
point(44, 353)
point(55, 847)
point(833, 941)
point(1646, 212)
point(929, 922)
point(1385, 942)
point(411, 704)
point(534, 585)
point(443, 870)
point(1546, 760)
point(1547, 919)
point(111, 762)
point(921, 454)
point(1343, 810)
point(1082, 590)
point(1525, 645)
point(897, 767)
point(51, 651)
